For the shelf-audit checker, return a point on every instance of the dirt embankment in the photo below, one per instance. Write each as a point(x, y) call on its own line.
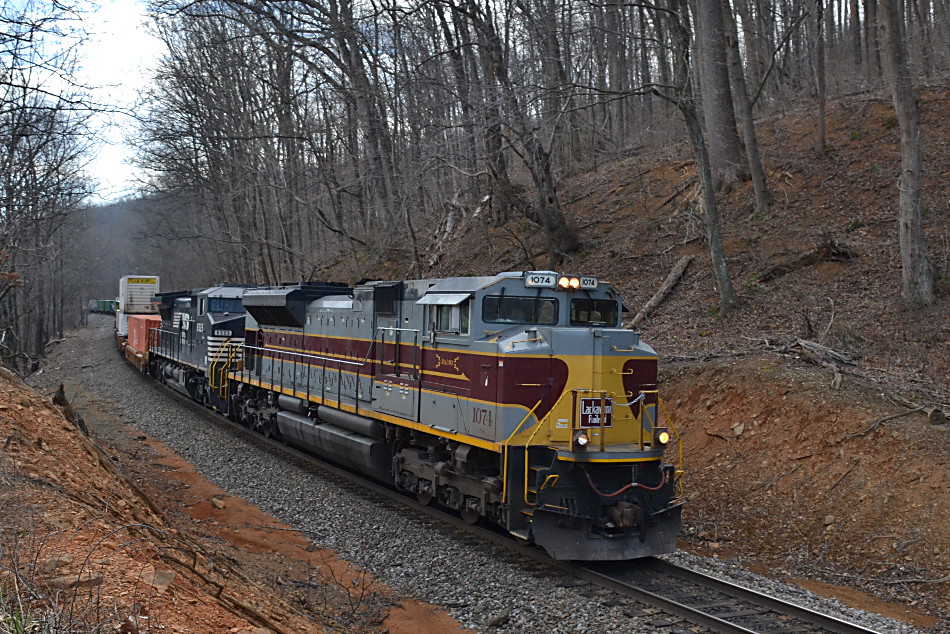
point(84, 547)
point(780, 471)
point(783, 473)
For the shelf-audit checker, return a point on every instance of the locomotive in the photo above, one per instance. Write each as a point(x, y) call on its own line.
point(515, 399)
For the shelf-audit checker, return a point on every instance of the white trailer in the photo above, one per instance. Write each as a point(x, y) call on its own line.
point(135, 298)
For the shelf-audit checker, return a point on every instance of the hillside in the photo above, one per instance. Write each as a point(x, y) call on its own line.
point(782, 472)
point(828, 466)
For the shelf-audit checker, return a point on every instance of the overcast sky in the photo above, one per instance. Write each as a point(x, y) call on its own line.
point(117, 59)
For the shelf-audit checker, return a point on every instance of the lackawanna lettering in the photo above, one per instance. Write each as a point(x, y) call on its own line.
point(141, 280)
point(590, 412)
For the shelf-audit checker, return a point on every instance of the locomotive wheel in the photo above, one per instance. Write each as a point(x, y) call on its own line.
point(469, 516)
point(424, 498)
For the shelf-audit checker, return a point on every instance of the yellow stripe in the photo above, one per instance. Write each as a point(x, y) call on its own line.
point(623, 460)
point(395, 420)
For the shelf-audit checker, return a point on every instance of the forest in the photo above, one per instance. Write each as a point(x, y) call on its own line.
point(289, 140)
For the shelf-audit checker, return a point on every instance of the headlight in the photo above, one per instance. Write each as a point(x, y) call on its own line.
point(564, 282)
point(581, 438)
point(661, 436)
point(575, 283)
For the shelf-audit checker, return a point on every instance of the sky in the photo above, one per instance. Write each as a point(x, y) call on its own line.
point(116, 61)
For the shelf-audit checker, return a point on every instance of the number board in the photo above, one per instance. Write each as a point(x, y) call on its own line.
point(590, 412)
point(539, 279)
point(588, 283)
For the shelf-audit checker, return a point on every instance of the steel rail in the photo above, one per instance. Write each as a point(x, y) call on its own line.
point(781, 606)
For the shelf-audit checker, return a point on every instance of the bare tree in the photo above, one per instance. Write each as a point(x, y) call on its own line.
point(43, 115)
point(763, 198)
point(917, 274)
point(725, 152)
point(677, 19)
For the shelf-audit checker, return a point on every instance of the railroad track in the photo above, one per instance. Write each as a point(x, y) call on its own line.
point(675, 595)
point(719, 605)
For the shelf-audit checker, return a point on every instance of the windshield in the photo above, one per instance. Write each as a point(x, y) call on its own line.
point(593, 312)
point(519, 310)
point(225, 305)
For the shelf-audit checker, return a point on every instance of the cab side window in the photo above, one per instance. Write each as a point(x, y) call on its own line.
point(452, 319)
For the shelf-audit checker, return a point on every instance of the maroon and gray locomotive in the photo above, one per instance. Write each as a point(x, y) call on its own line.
point(515, 399)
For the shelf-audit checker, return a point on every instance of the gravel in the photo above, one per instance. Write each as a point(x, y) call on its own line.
point(478, 583)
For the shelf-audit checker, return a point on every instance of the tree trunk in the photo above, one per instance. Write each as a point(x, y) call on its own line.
point(872, 53)
point(820, 73)
point(855, 29)
point(718, 110)
point(763, 198)
point(678, 21)
point(917, 275)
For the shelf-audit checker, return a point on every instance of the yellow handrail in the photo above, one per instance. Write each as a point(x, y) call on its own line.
point(504, 474)
point(679, 442)
point(214, 362)
point(528, 445)
point(223, 388)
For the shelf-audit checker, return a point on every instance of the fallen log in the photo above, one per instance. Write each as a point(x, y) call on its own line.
point(658, 297)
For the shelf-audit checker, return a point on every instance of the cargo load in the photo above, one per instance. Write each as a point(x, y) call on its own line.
point(135, 298)
point(141, 333)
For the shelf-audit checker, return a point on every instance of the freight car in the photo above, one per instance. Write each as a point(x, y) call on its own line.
point(103, 306)
point(516, 399)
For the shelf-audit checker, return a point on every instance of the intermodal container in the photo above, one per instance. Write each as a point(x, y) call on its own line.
point(135, 294)
point(139, 331)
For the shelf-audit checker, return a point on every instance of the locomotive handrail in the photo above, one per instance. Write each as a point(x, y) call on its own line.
point(679, 442)
point(415, 330)
point(397, 363)
point(297, 356)
point(225, 388)
point(305, 354)
point(214, 362)
point(541, 424)
point(633, 402)
point(168, 351)
point(504, 475)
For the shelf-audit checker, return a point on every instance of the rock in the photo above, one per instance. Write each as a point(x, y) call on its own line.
point(217, 503)
point(66, 582)
point(50, 565)
point(129, 625)
point(501, 618)
point(936, 416)
point(25, 401)
point(738, 429)
point(158, 579)
point(829, 520)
